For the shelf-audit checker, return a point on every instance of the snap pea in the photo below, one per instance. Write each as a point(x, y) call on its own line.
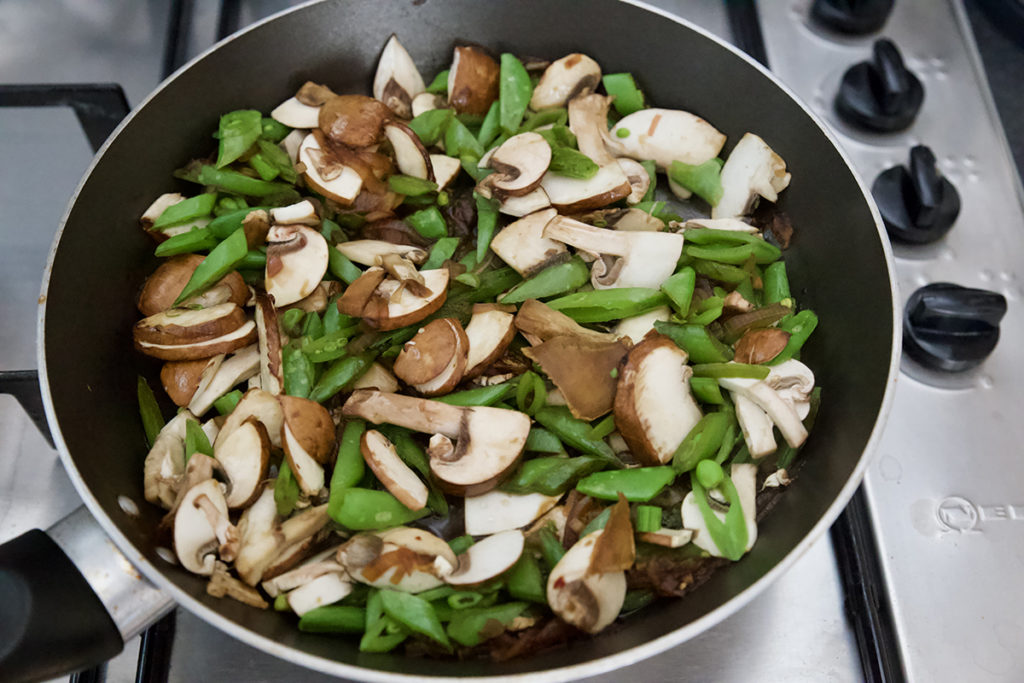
point(149, 409)
point(411, 186)
point(186, 210)
point(800, 327)
point(195, 440)
point(458, 141)
point(340, 374)
point(414, 456)
point(719, 271)
point(341, 267)
point(524, 580)
point(701, 443)
point(439, 85)
point(298, 372)
point(263, 168)
point(291, 321)
point(237, 133)
point(544, 117)
point(706, 390)
point(312, 326)
point(737, 255)
point(464, 599)
point(221, 261)
point(334, 619)
point(729, 535)
point(570, 163)
point(530, 393)
point(380, 636)
point(658, 209)
point(541, 440)
point(486, 222)
point(273, 131)
point(704, 180)
point(224, 225)
point(461, 544)
point(731, 370)
point(254, 259)
point(603, 428)
point(363, 509)
point(491, 126)
point(699, 344)
point(229, 204)
point(428, 222)
point(196, 239)
point(576, 433)
point(336, 321)
point(431, 125)
point(442, 250)
point(628, 97)
point(551, 550)
point(330, 346)
point(278, 159)
point(286, 490)
point(473, 626)
point(414, 613)
point(776, 283)
point(765, 252)
point(603, 305)
point(635, 600)
point(638, 484)
point(709, 473)
point(551, 476)
point(514, 91)
point(648, 518)
point(708, 311)
point(679, 289)
point(349, 468)
point(226, 403)
point(652, 173)
point(439, 593)
point(480, 396)
point(733, 435)
point(558, 135)
point(239, 183)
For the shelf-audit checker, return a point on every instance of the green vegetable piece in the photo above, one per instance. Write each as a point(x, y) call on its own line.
point(226, 205)
point(238, 131)
point(648, 518)
point(286, 490)
point(464, 599)
point(281, 603)
point(733, 255)
point(704, 180)
point(730, 535)
point(541, 440)
point(239, 183)
point(298, 372)
point(652, 173)
point(273, 131)
point(473, 626)
point(195, 440)
point(340, 374)
point(254, 259)
point(524, 580)
point(312, 326)
point(278, 159)
point(639, 484)
point(702, 442)
point(551, 549)
point(334, 619)
point(442, 250)
point(459, 141)
point(709, 473)
point(429, 223)
point(800, 327)
point(763, 251)
point(149, 410)
point(628, 97)
point(622, 133)
point(439, 593)
point(381, 633)
point(606, 426)
point(576, 433)
point(414, 456)
point(603, 305)
point(411, 186)
point(546, 117)
point(551, 476)
point(341, 267)
point(699, 344)
point(439, 85)
point(263, 167)
point(335, 320)
point(221, 261)
point(731, 370)
point(658, 209)
point(679, 289)
point(706, 390)
point(186, 210)
point(330, 346)
point(350, 467)
point(530, 393)
point(636, 600)
point(461, 544)
point(570, 163)
point(291, 321)
point(196, 239)
point(226, 403)
point(414, 613)
point(431, 125)
point(720, 271)
point(514, 92)
point(366, 510)
point(486, 222)
point(733, 435)
point(480, 396)
point(491, 126)
point(224, 225)
point(776, 283)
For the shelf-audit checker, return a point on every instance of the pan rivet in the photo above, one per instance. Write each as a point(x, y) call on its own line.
point(128, 506)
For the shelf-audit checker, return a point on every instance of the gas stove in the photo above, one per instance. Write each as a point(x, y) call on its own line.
point(915, 579)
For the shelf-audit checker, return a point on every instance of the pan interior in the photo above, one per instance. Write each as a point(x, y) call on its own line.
point(837, 263)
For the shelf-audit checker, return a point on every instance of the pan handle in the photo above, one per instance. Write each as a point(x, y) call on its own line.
point(70, 600)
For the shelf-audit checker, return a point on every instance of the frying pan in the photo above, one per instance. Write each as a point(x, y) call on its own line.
point(839, 263)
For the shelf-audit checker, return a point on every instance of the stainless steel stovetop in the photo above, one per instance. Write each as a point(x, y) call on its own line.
point(944, 490)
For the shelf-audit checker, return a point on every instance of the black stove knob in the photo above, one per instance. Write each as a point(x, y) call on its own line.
point(952, 328)
point(853, 17)
point(881, 94)
point(917, 204)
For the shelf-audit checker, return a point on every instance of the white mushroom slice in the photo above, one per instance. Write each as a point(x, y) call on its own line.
point(427, 101)
point(564, 79)
point(752, 170)
point(324, 590)
point(411, 157)
point(744, 479)
point(669, 538)
point(489, 333)
point(264, 540)
point(636, 328)
point(342, 184)
point(319, 564)
point(721, 224)
point(259, 404)
point(654, 409)
point(446, 169)
point(383, 559)
point(487, 559)
point(165, 462)
point(211, 429)
point(633, 220)
point(409, 308)
point(369, 252)
point(588, 120)
point(244, 455)
point(292, 142)
point(589, 601)
point(606, 186)
point(646, 259)
point(303, 213)
point(397, 80)
point(222, 376)
point(196, 537)
point(639, 180)
point(308, 438)
point(297, 259)
point(756, 426)
point(295, 114)
point(525, 205)
point(376, 377)
point(158, 206)
point(309, 474)
point(397, 477)
point(519, 164)
point(523, 246)
point(780, 411)
point(664, 136)
point(497, 511)
point(793, 381)
point(242, 336)
point(269, 344)
point(434, 361)
point(488, 441)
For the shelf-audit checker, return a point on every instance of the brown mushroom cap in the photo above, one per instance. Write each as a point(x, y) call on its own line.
point(165, 284)
point(269, 336)
point(582, 369)
point(310, 424)
point(181, 379)
point(179, 325)
point(472, 81)
point(434, 361)
point(354, 120)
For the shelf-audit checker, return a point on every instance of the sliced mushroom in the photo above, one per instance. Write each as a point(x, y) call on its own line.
point(519, 164)
point(793, 381)
point(488, 559)
point(308, 438)
point(296, 553)
point(397, 477)
point(752, 170)
point(760, 345)
point(158, 206)
point(169, 279)
point(539, 320)
point(295, 114)
point(297, 258)
point(721, 224)
point(270, 344)
point(779, 410)
point(181, 378)
point(488, 441)
point(668, 538)
point(472, 81)
point(184, 334)
point(525, 205)
point(588, 120)
point(633, 220)
point(317, 300)
point(244, 455)
point(607, 186)
point(446, 169)
point(324, 562)
point(397, 80)
point(321, 591)
point(292, 142)
point(165, 462)
point(263, 539)
point(405, 273)
point(427, 101)
point(403, 558)
point(369, 252)
point(300, 213)
point(756, 426)
point(564, 79)
point(327, 176)
point(411, 157)
point(497, 511)
point(654, 409)
point(636, 327)
point(523, 246)
point(664, 136)
point(645, 259)
point(222, 584)
point(201, 528)
point(434, 361)
point(221, 377)
point(376, 377)
point(488, 334)
point(583, 370)
point(259, 404)
point(638, 178)
point(744, 478)
point(386, 310)
point(353, 120)
point(589, 601)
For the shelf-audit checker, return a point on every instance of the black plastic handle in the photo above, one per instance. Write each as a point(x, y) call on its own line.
point(893, 79)
point(52, 622)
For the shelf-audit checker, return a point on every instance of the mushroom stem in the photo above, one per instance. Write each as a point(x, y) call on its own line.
point(587, 237)
point(226, 532)
point(418, 414)
point(781, 412)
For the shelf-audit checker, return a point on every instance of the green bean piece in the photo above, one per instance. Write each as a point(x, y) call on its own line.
point(340, 374)
point(329, 346)
point(349, 468)
point(226, 224)
point(473, 626)
point(603, 305)
point(480, 396)
point(706, 390)
point(571, 163)
point(720, 271)
point(226, 403)
point(514, 91)
point(196, 239)
point(439, 85)
point(379, 635)
point(544, 117)
point(603, 428)
point(679, 289)
point(800, 327)
point(221, 261)
point(149, 410)
point(464, 599)
point(733, 435)
point(776, 283)
point(286, 490)
point(363, 509)
point(239, 183)
point(764, 252)
point(298, 372)
point(525, 581)
point(439, 593)
point(442, 250)
point(341, 267)
point(553, 280)
point(281, 603)
point(729, 535)
point(312, 326)
point(278, 159)
point(491, 126)
point(709, 473)
point(431, 125)
point(659, 209)
point(652, 173)
point(185, 211)
point(334, 619)
point(700, 345)
point(458, 141)
point(597, 522)
point(530, 393)
point(238, 131)
point(335, 320)
point(414, 613)
point(254, 259)
point(486, 222)
point(470, 164)
point(273, 131)
point(411, 186)
point(291, 321)
point(551, 550)
point(263, 168)
point(701, 443)
point(704, 180)
point(428, 222)
point(732, 255)
point(559, 136)
point(638, 484)
point(414, 456)
point(648, 518)
point(195, 440)
point(226, 205)
point(552, 475)
point(461, 544)
point(731, 370)
point(628, 97)
point(541, 440)
point(636, 600)
point(576, 433)
point(711, 310)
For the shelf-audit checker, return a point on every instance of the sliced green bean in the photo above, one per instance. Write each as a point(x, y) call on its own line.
point(226, 224)
point(491, 126)
point(679, 289)
point(238, 131)
point(603, 305)
point(732, 255)
point(702, 442)
point(411, 186)
point(341, 267)
point(544, 117)
point(628, 97)
point(514, 91)
point(648, 518)
point(367, 510)
point(226, 403)
point(729, 535)
point(480, 396)
point(221, 261)
point(349, 468)
point(464, 599)
point(329, 346)
point(553, 280)
point(458, 141)
point(576, 433)
point(340, 374)
point(379, 635)
point(298, 372)
point(541, 440)
point(442, 250)
point(286, 490)
point(776, 283)
point(486, 222)
point(414, 613)
point(638, 484)
point(473, 626)
point(428, 222)
point(525, 581)
point(706, 390)
point(196, 440)
point(720, 271)
point(551, 476)
point(551, 550)
point(731, 370)
point(700, 345)
point(273, 131)
point(196, 239)
point(186, 210)
point(239, 183)
point(704, 180)
point(461, 544)
point(149, 410)
point(334, 619)
point(570, 163)
point(800, 327)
